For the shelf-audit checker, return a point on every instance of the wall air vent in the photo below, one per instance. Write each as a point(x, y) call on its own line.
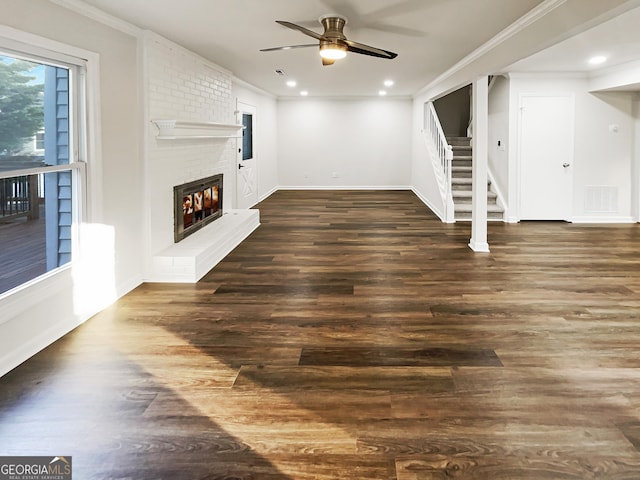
point(601, 199)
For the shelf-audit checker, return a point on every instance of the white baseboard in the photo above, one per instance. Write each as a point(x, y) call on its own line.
point(125, 287)
point(344, 187)
point(37, 343)
point(594, 219)
point(429, 205)
point(268, 194)
point(479, 247)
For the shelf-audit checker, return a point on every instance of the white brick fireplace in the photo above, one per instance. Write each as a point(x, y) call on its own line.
point(183, 87)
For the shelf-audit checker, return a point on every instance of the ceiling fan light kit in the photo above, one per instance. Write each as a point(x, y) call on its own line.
point(332, 51)
point(333, 44)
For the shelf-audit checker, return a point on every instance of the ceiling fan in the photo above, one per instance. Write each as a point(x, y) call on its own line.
point(332, 42)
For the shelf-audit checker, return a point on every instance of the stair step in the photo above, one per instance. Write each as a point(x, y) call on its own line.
point(466, 207)
point(491, 216)
point(459, 141)
point(461, 162)
point(461, 148)
point(461, 181)
point(465, 181)
point(466, 194)
point(465, 214)
point(461, 172)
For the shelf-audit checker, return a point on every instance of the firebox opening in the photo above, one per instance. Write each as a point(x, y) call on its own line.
point(196, 204)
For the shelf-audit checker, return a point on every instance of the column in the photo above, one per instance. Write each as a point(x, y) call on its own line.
point(480, 165)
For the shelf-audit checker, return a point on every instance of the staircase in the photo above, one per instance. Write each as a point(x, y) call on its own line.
point(461, 183)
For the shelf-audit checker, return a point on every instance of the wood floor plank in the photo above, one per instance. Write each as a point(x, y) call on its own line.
point(401, 357)
point(371, 378)
point(523, 466)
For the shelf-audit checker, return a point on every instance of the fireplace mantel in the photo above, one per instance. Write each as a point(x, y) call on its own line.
point(187, 129)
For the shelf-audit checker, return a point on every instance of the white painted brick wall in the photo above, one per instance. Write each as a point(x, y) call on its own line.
point(181, 85)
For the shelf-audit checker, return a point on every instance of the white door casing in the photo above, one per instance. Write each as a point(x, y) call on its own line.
point(246, 165)
point(545, 157)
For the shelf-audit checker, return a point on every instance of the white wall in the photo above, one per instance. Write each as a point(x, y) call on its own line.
point(635, 171)
point(265, 149)
point(602, 158)
point(38, 314)
point(365, 142)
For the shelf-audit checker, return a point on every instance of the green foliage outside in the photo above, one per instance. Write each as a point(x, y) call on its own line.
point(21, 105)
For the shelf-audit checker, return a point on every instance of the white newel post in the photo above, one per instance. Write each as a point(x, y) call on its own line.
point(480, 162)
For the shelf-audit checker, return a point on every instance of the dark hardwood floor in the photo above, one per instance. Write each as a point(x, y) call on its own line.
point(355, 336)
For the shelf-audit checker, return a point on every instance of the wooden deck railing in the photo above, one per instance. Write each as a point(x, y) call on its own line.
point(19, 197)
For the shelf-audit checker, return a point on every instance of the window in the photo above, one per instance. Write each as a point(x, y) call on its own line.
point(247, 136)
point(39, 176)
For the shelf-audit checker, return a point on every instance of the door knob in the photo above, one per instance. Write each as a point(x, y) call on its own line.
point(240, 166)
point(565, 165)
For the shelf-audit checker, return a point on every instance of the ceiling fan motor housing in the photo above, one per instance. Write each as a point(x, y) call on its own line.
point(333, 37)
point(333, 26)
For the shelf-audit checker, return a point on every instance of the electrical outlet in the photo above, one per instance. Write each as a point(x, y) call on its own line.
point(334, 175)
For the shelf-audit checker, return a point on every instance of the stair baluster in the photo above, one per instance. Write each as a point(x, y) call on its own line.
point(442, 163)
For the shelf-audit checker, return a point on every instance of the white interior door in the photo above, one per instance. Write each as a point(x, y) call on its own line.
point(246, 165)
point(545, 157)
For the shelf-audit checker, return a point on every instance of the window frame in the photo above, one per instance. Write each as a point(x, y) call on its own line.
point(84, 144)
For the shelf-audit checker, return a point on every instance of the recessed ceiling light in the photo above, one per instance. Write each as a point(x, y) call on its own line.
point(304, 93)
point(291, 83)
point(388, 83)
point(382, 93)
point(597, 60)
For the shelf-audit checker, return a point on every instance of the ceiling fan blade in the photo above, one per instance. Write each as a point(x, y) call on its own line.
point(306, 31)
point(327, 61)
point(289, 47)
point(356, 47)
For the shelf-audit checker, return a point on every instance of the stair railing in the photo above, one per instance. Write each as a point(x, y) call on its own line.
point(442, 158)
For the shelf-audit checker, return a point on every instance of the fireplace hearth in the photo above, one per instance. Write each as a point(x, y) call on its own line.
point(196, 204)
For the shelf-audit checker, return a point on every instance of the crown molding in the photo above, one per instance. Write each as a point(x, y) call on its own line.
point(78, 6)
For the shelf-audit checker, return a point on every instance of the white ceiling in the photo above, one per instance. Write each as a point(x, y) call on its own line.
point(430, 36)
point(617, 39)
